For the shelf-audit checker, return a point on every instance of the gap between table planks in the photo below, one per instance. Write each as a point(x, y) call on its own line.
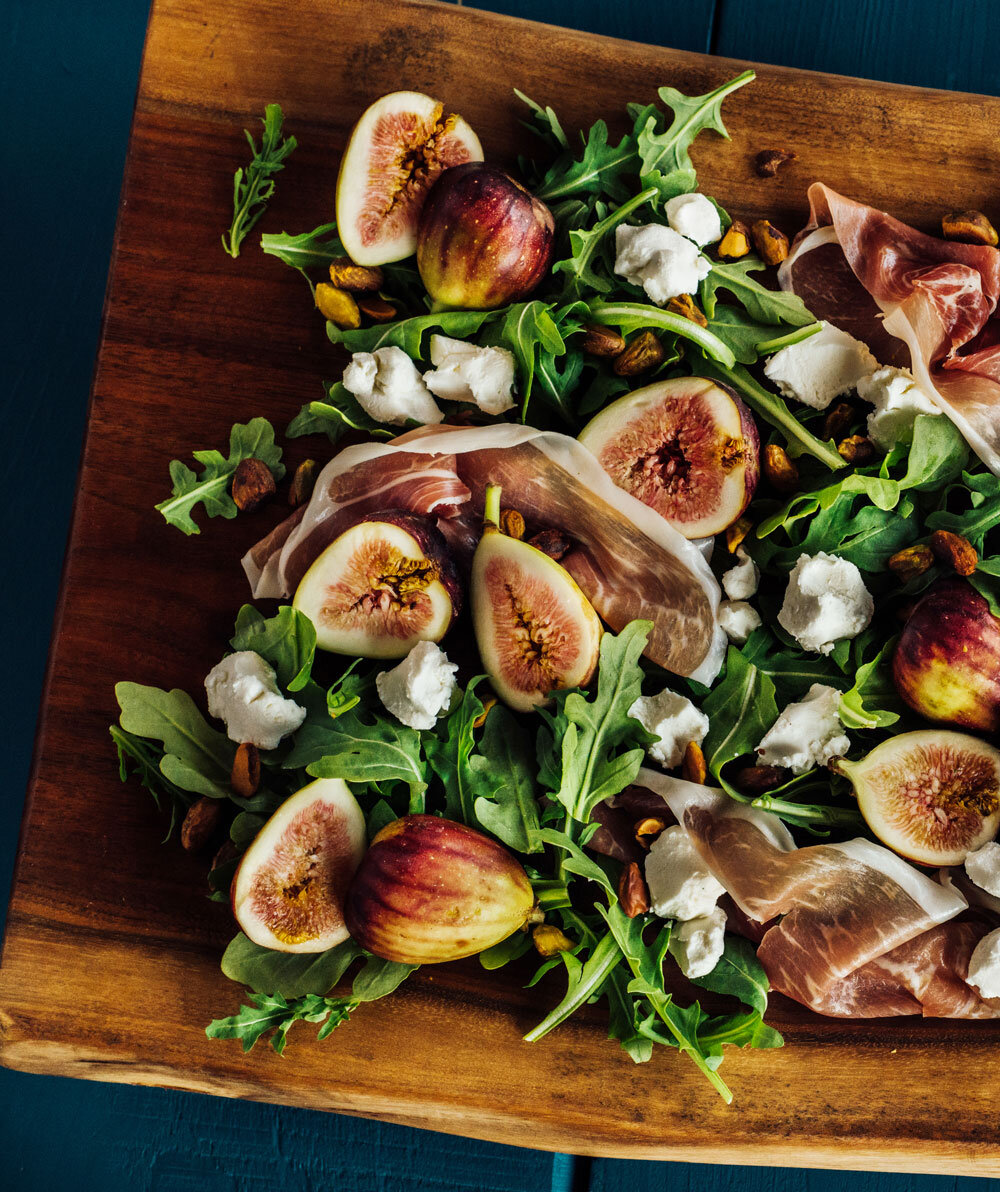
point(110, 963)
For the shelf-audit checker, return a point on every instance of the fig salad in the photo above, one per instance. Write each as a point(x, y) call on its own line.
point(501, 681)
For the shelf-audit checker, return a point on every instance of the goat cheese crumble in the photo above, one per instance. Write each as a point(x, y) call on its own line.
point(698, 944)
point(897, 399)
point(465, 372)
point(741, 582)
point(243, 693)
point(674, 721)
point(826, 600)
point(806, 734)
point(738, 620)
point(983, 868)
point(814, 371)
point(695, 217)
point(420, 688)
point(680, 884)
point(984, 965)
point(389, 388)
point(662, 261)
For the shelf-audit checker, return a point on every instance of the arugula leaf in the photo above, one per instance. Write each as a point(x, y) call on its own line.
point(273, 1012)
point(736, 1030)
point(740, 710)
point(792, 672)
point(544, 123)
point(646, 963)
point(252, 440)
point(666, 152)
point(761, 304)
point(144, 760)
point(937, 454)
point(738, 973)
point(340, 414)
point(286, 641)
point(254, 186)
point(203, 756)
point(527, 329)
point(631, 316)
point(585, 982)
point(510, 812)
point(370, 753)
point(306, 250)
point(290, 974)
point(598, 170)
point(585, 243)
point(624, 1021)
point(872, 701)
point(409, 334)
point(583, 749)
point(464, 775)
point(577, 861)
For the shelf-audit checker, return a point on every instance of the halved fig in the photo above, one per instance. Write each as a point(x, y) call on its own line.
point(687, 447)
point(289, 890)
point(381, 587)
point(431, 890)
point(933, 796)
point(396, 151)
point(536, 630)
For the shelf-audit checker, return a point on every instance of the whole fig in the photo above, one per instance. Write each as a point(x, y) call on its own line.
point(431, 890)
point(482, 239)
point(947, 662)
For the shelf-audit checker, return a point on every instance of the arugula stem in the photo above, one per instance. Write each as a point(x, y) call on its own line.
point(808, 812)
point(773, 409)
point(594, 973)
point(661, 1004)
point(770, 346)
point(638, 314)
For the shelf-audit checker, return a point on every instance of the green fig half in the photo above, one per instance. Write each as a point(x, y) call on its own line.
point(536, 630)
point(932, 796)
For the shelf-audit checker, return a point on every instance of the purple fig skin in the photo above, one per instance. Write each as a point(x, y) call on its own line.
point(431, 890)
point(483, 240)
point(946, 665)
point(432, 542)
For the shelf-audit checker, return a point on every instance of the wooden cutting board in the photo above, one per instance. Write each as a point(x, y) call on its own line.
point(110, 962)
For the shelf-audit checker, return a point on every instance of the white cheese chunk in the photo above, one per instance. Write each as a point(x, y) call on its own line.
point(674, 720)
point(897, 399)
point(741, 582)
point(984, 965)
point(680, 885)
point(243, 693)
point(389, 388)
point(695, 217)
point(738, 620)
point(806, 734)
point(420, 688)
point(826, 600)
point(816, 370)
point(698, 944)
point(465, 372)
point(662, 261)
point(983, 868)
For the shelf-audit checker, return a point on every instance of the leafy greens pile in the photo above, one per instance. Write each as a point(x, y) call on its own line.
point(534, 782)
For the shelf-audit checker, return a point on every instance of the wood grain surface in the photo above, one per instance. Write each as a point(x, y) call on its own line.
point(110, 962)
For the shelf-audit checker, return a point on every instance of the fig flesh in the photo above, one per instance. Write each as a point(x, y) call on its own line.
point(946, 665)
point(381, 587)
point(932, 796)
point(687, 447)
point(431, 890)
point(535, 629)
point(289, 890)
point(396, 151)
point(483, 240)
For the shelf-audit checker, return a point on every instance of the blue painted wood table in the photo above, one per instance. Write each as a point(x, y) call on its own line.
point(68, 78)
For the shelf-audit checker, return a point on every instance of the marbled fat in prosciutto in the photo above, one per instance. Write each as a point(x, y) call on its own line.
point(629, 562)
point(916, 300)
point(857, 932)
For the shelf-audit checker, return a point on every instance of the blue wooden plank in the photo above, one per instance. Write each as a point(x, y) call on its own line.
point(930, 43)
point(685, 26)
point(632, 1176)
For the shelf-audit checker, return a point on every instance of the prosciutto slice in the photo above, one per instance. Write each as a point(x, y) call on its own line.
point(858, 932)
point(914, 299)
point(627, 559)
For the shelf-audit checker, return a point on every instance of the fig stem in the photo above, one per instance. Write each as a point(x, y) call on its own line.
point(491, 512)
